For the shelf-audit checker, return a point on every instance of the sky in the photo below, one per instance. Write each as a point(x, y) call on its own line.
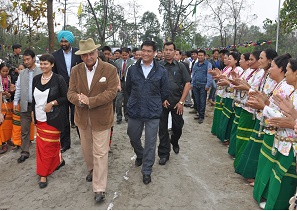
point(262, 8)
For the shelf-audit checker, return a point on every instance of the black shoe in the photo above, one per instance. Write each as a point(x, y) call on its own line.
point(163, 161)
point(138, 162)
point(200, 121)
point(64, 149)
point(126, 119)
point(42, 184)
point(89, 177)
point(99, 196)
point(196, 117)
point(175, 149)
point(22, 158)
point(60, 165)
point(147, 179)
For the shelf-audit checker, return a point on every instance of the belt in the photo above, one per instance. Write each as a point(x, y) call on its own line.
point(270, 128)
point(229, 89)
point(286, 139)
point(239, 102)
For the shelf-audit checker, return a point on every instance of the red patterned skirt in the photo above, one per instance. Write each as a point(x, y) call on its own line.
point(48, 154)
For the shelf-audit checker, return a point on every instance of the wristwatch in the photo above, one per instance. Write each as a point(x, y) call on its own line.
point(53, 103)
point(180, 102)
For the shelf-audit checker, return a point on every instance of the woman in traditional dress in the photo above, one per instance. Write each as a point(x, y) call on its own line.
point(239, 101)
point(273, 166)
point(49, 97)
point(247, 115)
point(219, 100)
point(228, 113)
point(248, 163)
point(6, 108)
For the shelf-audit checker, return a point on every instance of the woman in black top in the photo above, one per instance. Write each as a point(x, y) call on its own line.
point(49, 97)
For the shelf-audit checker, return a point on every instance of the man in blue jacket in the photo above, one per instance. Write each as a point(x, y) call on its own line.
point(147, 88)
point(201, 82)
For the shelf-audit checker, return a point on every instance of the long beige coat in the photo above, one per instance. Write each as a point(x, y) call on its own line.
point(101, 94)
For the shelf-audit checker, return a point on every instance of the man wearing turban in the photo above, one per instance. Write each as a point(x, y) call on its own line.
point(65, 59)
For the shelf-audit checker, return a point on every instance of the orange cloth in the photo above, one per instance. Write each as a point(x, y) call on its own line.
point(17, 130)
point(6, 126)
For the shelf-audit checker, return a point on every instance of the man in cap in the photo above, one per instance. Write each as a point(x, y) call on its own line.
point(65, 59)
point(92, 88)
point(13, 61)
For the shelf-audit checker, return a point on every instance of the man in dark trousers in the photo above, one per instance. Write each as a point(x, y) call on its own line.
point(65, 59)
point(179, 87)
point(147, 87)
point(122, 65)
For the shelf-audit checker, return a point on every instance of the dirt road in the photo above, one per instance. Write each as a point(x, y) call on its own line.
point(201, 176)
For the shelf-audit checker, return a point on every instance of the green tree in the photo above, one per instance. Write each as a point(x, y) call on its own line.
point(287, 41)
point(288, 15)
point(149, 26)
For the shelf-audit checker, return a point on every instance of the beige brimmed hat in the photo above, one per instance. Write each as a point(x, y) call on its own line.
point(86, 46)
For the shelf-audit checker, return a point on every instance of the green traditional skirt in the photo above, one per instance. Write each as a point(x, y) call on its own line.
point(226, 121)
point(276, 178)
point(232, 145)
point(265, 164)
point(217, 115)
point(282, 183)
point(248, 163)
point(244, 130)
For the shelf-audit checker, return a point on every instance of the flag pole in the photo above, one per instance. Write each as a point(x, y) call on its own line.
point(278, 23)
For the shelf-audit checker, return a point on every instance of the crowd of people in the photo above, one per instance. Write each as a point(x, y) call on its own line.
point(255, 116)
point(253, 94)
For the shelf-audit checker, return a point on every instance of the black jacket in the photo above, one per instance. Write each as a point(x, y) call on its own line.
point(60, 65)
point(146, 95)
point(58, 91)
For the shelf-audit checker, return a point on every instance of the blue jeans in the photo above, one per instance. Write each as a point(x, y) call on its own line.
point(212, 92)
point(200, 98)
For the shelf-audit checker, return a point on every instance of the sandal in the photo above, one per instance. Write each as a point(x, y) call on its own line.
point(15, 147)
point(3, 148)
point(10, 143)
point(252, 184)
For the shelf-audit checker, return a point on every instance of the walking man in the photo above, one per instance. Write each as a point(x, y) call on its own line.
point(147, 87)
point(92, 88)
point(23, 94)
point(122, 65)
point(65, 59)
point(201, 82)
point(179, 87)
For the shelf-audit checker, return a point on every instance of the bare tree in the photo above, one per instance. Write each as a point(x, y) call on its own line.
point(174, 13)
point(134, 11)
point(219, 18)
point(236, 7)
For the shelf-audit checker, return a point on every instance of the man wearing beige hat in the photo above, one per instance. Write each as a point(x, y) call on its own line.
point(92, 88)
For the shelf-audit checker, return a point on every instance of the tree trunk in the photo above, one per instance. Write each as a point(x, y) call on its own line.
point(50, 24)
point(235, 33)
point(97, 24)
